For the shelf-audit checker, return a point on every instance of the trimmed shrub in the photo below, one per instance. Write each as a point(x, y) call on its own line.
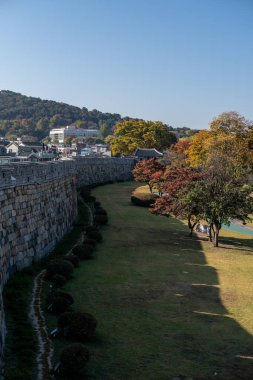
point(73, 259)
point(90, 199)
point(143, 200)
point(59, 293)
point(100, 219)
point(90, 242)
point(76, 250)
point(77, 326)
point(61, 267)
point(58, 280)
point(95, 235)
point(85, 192)
point(101, 211)
point(84, 251)
point(91, 229)
point(73, 359)
point(58, 301)
point(58, 305)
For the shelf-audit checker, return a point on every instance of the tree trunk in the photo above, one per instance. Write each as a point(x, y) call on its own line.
point(216, 236)
point(191, 226)
point(211, 232)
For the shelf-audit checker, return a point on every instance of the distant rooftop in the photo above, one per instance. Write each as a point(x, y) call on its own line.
point(147, 153)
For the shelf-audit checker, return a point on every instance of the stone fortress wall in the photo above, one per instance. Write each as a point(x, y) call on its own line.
point(38, 206)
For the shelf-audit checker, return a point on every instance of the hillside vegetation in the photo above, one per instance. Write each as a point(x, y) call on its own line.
point(21, 115)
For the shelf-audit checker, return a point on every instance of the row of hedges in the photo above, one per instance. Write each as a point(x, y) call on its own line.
point(21, 340)
point(74, 325)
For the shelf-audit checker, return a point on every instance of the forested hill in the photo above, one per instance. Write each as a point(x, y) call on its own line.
point(25, 115)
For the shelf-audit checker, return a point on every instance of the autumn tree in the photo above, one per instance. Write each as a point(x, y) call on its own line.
point(179, 197)
point(231, 135)
point(230, 122)
point(176, 154)
point(197, 152)
point(132, 134)
point(223, 194)
point(182, 145)
point(144, 171)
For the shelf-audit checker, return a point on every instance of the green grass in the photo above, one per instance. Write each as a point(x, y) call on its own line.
point(21, 341)
point(166, 305)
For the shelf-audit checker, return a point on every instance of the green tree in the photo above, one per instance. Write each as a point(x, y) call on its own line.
point(47, 140)
point(132, 134)
point(197, 151)
point(81, 124)
point(230, 134)
point(223, 194)
point(105, 129)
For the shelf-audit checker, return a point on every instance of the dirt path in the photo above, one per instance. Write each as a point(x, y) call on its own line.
point(45, 354)
point(44, 357)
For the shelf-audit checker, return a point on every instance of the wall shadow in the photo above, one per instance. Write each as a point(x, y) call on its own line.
point(208, 337)
point(164, 301)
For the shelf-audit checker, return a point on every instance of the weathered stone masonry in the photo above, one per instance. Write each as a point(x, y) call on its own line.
point(38, 205)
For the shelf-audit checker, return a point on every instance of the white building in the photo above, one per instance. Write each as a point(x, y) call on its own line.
point(60, 134)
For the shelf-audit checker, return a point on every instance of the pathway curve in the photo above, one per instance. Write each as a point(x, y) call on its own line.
point(45, 353)
point(44, 357)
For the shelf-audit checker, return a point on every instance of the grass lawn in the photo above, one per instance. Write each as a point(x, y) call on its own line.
point(167, 305)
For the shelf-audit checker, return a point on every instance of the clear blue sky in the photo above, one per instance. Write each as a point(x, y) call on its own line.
point(179, 61)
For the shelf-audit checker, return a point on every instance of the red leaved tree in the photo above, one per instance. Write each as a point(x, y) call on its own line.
point(179, 196)
point(145, 171)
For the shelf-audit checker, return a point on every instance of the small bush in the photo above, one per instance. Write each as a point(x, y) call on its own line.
point(58, 305)
point(76, 250)
point(60, 267)
point(97, 204)
point(77, 326)
point(73, 359)
point(59, 293)
point(90, 242)
point(100, 219)
point(90, 199)
point(73, 259)
point(85, 192)
point(95, 235)
point(144, 200)
point(58, 301)
point(101, 211)
point(58, 280)
point(84, 251)
point(91, 229)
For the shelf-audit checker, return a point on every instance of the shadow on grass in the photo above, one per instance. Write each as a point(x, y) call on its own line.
point(236, 244)
point(162, 301)
point(208, 336)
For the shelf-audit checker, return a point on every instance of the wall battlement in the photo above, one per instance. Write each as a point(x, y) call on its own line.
point(38, 206)
point(25, 173)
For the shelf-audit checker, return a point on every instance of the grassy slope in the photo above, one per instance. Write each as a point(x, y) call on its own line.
point(166, 305)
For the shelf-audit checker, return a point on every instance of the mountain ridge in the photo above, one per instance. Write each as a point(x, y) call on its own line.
point(21, 114)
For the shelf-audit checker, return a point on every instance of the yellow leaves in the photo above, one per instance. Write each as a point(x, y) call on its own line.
point(131, 134)
point(197, 151)
point(230, 134)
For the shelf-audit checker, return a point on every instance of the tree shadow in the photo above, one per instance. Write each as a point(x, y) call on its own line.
point(209, 340)
point(237, 244)
point(162, 303)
